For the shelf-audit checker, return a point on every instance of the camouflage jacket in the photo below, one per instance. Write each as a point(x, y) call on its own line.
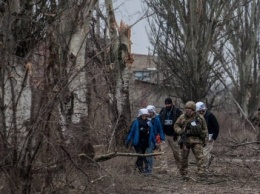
point(197, 123)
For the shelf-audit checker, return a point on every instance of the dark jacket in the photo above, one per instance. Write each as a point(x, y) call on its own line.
point(212, 124)
point(137, 135)
point(172, 115)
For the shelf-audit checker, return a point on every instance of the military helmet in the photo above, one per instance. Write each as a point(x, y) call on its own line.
point(190, 104)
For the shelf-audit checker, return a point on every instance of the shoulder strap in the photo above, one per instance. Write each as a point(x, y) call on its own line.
point(198, 118)
point(163, 114)
point(174, 113)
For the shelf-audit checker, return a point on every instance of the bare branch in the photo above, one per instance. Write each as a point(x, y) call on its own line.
point(116, 154)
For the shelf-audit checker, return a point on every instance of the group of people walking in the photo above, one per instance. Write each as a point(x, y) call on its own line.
point(194, 129)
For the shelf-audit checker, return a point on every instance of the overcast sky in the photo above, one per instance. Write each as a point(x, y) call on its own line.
point(131, 11)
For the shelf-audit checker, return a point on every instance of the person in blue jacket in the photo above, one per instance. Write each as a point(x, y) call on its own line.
point(156, 126)
point(141, 137)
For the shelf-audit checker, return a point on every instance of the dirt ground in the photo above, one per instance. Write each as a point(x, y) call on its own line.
point(234, 170)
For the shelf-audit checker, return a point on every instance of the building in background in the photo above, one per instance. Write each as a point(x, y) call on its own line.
point(146, 84)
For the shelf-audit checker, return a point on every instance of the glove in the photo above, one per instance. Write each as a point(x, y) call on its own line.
point(158, 139)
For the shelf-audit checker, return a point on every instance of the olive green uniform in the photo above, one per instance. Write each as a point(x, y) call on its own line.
point(194, 129)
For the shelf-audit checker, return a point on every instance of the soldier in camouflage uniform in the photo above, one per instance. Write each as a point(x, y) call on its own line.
point(255, 118)
point(192, 128)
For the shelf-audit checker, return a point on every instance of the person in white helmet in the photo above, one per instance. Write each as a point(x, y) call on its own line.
point(156, 126)
point(141, 137)
point(213, 131)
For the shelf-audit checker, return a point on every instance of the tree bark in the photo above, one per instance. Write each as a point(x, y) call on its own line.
point(121, 53)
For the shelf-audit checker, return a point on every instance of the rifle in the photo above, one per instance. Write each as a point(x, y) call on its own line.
point(183, 140)
point(191, 132)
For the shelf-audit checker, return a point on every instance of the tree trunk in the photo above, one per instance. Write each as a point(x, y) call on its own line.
point(121, 53)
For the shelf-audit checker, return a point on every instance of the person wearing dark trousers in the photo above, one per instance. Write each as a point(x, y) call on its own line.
point(141, 137)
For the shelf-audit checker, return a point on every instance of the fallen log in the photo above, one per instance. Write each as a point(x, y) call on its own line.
point(109, 156)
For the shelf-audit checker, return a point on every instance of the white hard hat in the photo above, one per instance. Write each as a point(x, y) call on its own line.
point(151, 108)
point(143, 111)
point(200, 106)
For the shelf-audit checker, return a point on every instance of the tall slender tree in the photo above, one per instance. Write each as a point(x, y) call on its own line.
point(241, 52)
point(185, 36)
point(47, 83)
point(200, 42)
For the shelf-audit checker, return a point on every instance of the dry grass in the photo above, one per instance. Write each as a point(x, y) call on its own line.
point(235, 169)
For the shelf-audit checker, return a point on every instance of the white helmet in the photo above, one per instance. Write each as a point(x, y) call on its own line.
point(142, 111)
point(151, 108)
point(200, 106)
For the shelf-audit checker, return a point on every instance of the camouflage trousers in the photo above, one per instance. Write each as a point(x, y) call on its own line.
point(197, 150)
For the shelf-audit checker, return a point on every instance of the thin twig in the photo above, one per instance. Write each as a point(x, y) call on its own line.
point(67, 153)
point(242, 144)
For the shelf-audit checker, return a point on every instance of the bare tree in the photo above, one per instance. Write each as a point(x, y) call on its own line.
point(241, 52)
point(121, 56)
point(185, 35)
point(45, 93)
point(190, 38)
